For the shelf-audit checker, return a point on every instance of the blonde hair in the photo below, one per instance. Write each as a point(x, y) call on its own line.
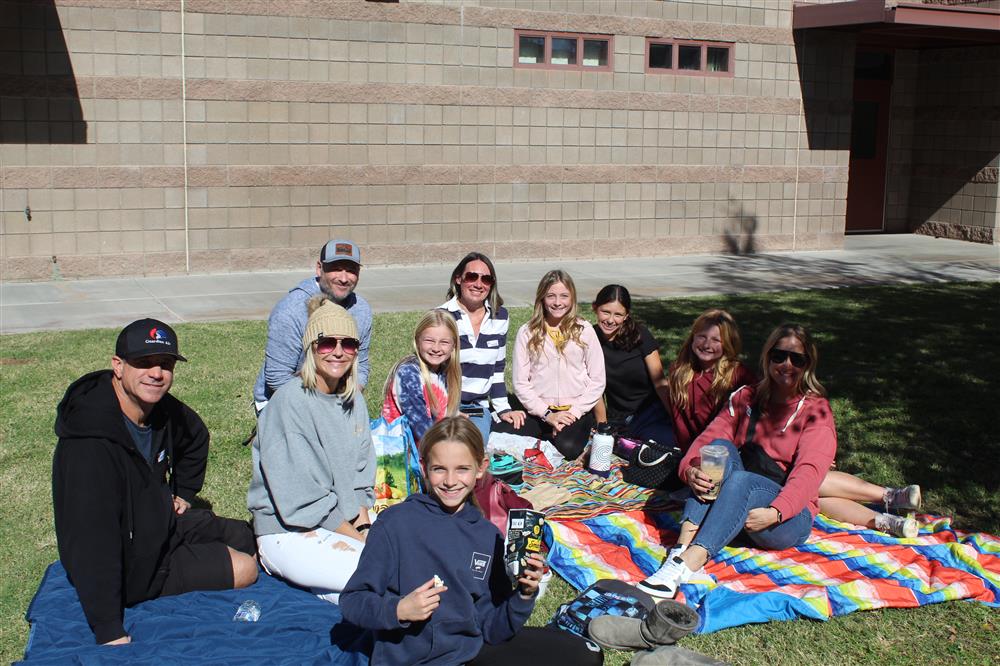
point(809, 384)
point(569, 327)
point(453, 429)
point(348, 383)
point(682, 370)
point(452, 367)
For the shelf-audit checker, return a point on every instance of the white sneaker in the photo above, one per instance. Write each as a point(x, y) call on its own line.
point(664, 583)
point(900, 526)
point(902, 499)
point(676, 551)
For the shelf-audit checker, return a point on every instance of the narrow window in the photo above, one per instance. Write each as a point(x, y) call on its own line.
point(563, 51)
point(718, 59)
point(688, 57)
point(531, 50)
point(661, 56)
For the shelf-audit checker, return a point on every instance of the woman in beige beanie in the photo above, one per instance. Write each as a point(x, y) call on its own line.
point(313, 462)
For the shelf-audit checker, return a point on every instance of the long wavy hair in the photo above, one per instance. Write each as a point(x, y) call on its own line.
point(493, 298)
point(453, 429)
point(683, 370)
point(627, 337)
point(809, 384)
point(348, 383)
point(452, 368)
point(568, 325)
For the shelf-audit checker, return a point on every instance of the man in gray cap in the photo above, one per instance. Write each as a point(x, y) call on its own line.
point(129, 462)
point(337, 273)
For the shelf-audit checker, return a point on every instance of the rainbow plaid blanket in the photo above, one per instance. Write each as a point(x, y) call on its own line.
point(839, 570)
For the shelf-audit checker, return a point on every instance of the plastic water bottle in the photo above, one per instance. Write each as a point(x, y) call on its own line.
point(600, 451)
point(249, 611)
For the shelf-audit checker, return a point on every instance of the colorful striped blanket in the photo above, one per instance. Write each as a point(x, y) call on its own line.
point(591, 495)
point(839, 570)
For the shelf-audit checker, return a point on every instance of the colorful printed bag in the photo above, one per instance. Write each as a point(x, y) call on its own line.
point(397, 474)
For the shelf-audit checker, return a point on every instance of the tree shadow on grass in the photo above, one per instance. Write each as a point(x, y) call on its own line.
point(912, 374)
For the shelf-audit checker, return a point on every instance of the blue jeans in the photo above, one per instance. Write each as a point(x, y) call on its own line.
point(483, 422)
point(720, 521)
point(653, 422)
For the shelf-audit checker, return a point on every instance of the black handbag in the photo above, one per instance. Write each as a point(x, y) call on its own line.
point(756, 460)
point(651, 465)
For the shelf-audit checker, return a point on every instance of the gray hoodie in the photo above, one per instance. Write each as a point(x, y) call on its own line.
point(313, 462)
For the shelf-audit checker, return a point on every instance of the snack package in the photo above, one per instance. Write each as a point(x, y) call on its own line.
point(524, 537)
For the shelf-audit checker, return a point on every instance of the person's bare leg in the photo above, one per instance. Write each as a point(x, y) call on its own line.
point(244, 569)
point(686, 535)
point(847, 511)
point(850, 487)
point(695, 557)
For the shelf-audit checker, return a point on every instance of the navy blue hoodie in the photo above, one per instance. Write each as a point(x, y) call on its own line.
point(408, 545)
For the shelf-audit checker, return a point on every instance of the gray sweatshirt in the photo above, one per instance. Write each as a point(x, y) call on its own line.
point(313, 462)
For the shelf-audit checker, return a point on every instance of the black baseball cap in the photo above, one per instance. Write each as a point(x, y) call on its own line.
point(147, 337)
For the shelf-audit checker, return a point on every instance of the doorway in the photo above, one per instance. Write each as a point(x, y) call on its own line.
point(869, 141)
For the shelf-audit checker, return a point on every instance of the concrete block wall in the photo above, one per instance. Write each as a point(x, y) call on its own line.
point(956, 145)
point(246, 134)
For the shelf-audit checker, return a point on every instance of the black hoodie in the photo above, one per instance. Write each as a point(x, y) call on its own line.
point(113, 509)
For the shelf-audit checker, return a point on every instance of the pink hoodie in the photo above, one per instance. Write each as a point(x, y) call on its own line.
point(575, 377)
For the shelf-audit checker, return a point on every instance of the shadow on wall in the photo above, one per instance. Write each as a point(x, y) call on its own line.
point(955, 143)
point(741, 227)
point(39, 100)
point(825, 62)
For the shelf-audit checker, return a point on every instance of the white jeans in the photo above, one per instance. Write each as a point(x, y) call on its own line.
point(320, 560)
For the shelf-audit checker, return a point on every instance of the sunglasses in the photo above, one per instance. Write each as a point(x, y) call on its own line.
point(470, 277)
point(778, 356)
point(328, 345)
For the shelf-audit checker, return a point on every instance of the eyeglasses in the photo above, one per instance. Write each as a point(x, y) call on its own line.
point(470, 277)
point(328, 345)
point(778, 356)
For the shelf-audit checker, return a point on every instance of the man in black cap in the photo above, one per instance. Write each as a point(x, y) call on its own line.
point(337, 273)
point(129, 462)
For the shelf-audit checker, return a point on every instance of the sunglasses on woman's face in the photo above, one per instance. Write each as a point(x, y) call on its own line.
point(328, 345)
point(778, 356)
point(470, 277)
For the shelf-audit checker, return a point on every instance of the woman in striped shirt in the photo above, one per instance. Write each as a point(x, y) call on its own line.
point(482, 320)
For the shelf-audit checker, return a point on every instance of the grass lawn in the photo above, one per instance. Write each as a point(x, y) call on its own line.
point(913, 373)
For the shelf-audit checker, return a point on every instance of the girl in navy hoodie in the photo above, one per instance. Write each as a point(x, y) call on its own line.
point(432, 583)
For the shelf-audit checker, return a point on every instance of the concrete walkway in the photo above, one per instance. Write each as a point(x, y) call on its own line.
point(878, 259)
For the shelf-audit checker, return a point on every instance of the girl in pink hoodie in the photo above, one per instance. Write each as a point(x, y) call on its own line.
point(558, 368)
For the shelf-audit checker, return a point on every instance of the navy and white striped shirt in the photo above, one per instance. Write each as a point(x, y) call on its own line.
point(484, 358)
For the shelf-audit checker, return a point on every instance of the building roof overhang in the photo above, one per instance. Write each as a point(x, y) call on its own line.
point(909, 25)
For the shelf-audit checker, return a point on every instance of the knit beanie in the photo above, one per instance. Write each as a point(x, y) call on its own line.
point(326, 320)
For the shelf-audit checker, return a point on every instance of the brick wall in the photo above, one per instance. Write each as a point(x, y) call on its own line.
point(406, 127)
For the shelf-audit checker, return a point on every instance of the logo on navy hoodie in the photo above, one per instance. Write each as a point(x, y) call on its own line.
point(480, 565)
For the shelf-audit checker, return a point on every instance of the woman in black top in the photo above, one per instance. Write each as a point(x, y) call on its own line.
point(637, 395)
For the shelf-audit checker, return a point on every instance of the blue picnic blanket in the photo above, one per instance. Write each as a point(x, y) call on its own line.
point(196, 628)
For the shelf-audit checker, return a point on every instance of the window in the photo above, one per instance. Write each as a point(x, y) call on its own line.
point(562, 50)
point(691, 58)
